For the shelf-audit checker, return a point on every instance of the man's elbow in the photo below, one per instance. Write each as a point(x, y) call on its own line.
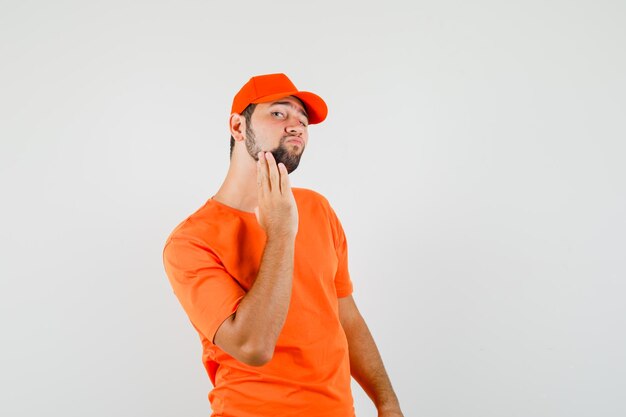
point(255, 355)
point(242, 346)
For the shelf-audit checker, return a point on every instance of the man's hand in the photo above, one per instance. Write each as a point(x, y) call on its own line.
point(277, 212)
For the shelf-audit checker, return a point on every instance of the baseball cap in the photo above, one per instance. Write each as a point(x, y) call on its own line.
point(269, 87)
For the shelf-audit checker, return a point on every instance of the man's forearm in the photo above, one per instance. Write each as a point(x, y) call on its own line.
point(263, 311)
point(366, 366)
point(250, 334)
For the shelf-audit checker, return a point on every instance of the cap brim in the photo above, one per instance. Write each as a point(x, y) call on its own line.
point(315, 106)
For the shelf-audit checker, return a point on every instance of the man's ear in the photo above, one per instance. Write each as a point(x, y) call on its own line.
point(237, 126)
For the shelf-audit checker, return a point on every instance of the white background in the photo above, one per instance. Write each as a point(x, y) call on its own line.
point(474, 152)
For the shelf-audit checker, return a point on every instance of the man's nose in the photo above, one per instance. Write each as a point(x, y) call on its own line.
point(295, 127)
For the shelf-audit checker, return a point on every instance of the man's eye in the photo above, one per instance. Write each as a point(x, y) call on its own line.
point(277, 112)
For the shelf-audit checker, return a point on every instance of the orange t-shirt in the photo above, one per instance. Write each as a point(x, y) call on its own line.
point(212, 259)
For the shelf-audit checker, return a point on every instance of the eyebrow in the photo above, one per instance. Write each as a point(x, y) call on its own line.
point(290, 104)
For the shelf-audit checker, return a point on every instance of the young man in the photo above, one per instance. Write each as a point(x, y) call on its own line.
point(261, 269)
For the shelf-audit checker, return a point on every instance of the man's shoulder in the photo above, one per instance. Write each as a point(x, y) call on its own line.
point(203, 222)
point(312, 204)
point(306, 195)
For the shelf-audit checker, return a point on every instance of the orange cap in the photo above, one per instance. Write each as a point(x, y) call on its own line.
point(264, 88)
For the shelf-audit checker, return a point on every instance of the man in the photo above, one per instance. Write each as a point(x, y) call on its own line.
point(261, 269)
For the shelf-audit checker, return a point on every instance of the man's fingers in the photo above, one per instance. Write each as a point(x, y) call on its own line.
point(262, 179)
point(270, 176)
point(273, 172)
point(284, 178)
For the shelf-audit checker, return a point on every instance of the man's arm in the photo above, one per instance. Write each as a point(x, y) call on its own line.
point(250, 334)
point(366, 365)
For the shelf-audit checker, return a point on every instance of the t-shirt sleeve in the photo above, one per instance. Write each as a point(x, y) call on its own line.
point(343, 283)
point(206, 291)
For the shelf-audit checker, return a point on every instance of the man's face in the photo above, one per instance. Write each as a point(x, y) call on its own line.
point(280, 127)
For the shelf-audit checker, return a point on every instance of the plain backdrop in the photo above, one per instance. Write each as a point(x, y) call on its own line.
point(474, 152)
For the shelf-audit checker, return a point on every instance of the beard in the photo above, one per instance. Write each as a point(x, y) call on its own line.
point(282, 153)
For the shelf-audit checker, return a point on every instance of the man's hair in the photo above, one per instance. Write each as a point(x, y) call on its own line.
point(247, 113)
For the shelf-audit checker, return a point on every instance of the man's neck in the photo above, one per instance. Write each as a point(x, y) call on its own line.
point(239, 189)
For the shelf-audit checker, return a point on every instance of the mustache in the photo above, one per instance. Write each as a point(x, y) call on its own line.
point(286, 138)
